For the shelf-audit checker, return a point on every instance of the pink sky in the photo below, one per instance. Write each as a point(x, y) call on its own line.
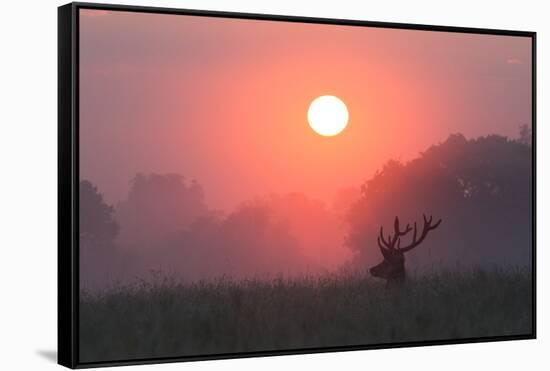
point(224, 101)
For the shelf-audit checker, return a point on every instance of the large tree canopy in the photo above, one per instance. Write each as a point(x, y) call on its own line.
point(480, 187)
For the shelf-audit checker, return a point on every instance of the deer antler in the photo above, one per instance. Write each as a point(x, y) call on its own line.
point(428, 226)
point(383, 249)
point(392, 240)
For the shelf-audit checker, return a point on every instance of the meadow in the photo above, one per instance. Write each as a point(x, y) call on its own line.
point(162, 317)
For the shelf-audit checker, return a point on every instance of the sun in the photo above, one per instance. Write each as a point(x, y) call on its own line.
point(327, 115)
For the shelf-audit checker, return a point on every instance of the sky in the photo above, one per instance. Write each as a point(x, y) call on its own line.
point(224, 101)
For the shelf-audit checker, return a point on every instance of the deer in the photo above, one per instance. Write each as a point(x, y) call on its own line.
point(392, 268)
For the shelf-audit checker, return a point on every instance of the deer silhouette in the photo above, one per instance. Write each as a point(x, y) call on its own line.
point(392, 268)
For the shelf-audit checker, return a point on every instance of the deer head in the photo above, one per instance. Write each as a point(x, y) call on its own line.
point(392, 268)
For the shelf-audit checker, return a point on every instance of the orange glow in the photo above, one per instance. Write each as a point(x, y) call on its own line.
point(225, 101)
point(294, 114)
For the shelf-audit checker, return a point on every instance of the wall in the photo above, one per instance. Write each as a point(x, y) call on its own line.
point(28, 164)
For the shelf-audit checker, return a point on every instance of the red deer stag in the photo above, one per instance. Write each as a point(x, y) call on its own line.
point(392, 268)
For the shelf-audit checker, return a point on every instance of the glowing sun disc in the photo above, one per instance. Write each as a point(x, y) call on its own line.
point(327, 115)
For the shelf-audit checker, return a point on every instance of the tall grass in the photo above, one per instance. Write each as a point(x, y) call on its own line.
point(163, 318)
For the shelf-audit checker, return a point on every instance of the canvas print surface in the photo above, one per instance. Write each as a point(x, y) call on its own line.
point(252, 185)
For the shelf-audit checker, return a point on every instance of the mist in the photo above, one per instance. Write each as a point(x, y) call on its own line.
point(481, 188)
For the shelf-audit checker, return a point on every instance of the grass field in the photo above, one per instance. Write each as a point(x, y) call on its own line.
point(163, 318)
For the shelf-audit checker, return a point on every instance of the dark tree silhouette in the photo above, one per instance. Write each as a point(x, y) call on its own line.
point(97, 230)
point(247, 242)
point(157, 208)
point(166, 225)
point(98, 227)
point(482, 187)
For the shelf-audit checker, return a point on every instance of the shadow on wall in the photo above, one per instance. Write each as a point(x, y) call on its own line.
point(49, 355)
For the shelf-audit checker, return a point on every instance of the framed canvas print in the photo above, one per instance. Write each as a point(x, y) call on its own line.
point(235, 185)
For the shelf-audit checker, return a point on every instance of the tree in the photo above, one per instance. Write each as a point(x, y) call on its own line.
point(97, 227)
point(481, 187)
point(249, 241)
point(157, 208)
point(97, 230)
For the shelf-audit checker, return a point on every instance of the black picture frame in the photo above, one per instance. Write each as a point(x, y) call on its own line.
point(68, 179)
